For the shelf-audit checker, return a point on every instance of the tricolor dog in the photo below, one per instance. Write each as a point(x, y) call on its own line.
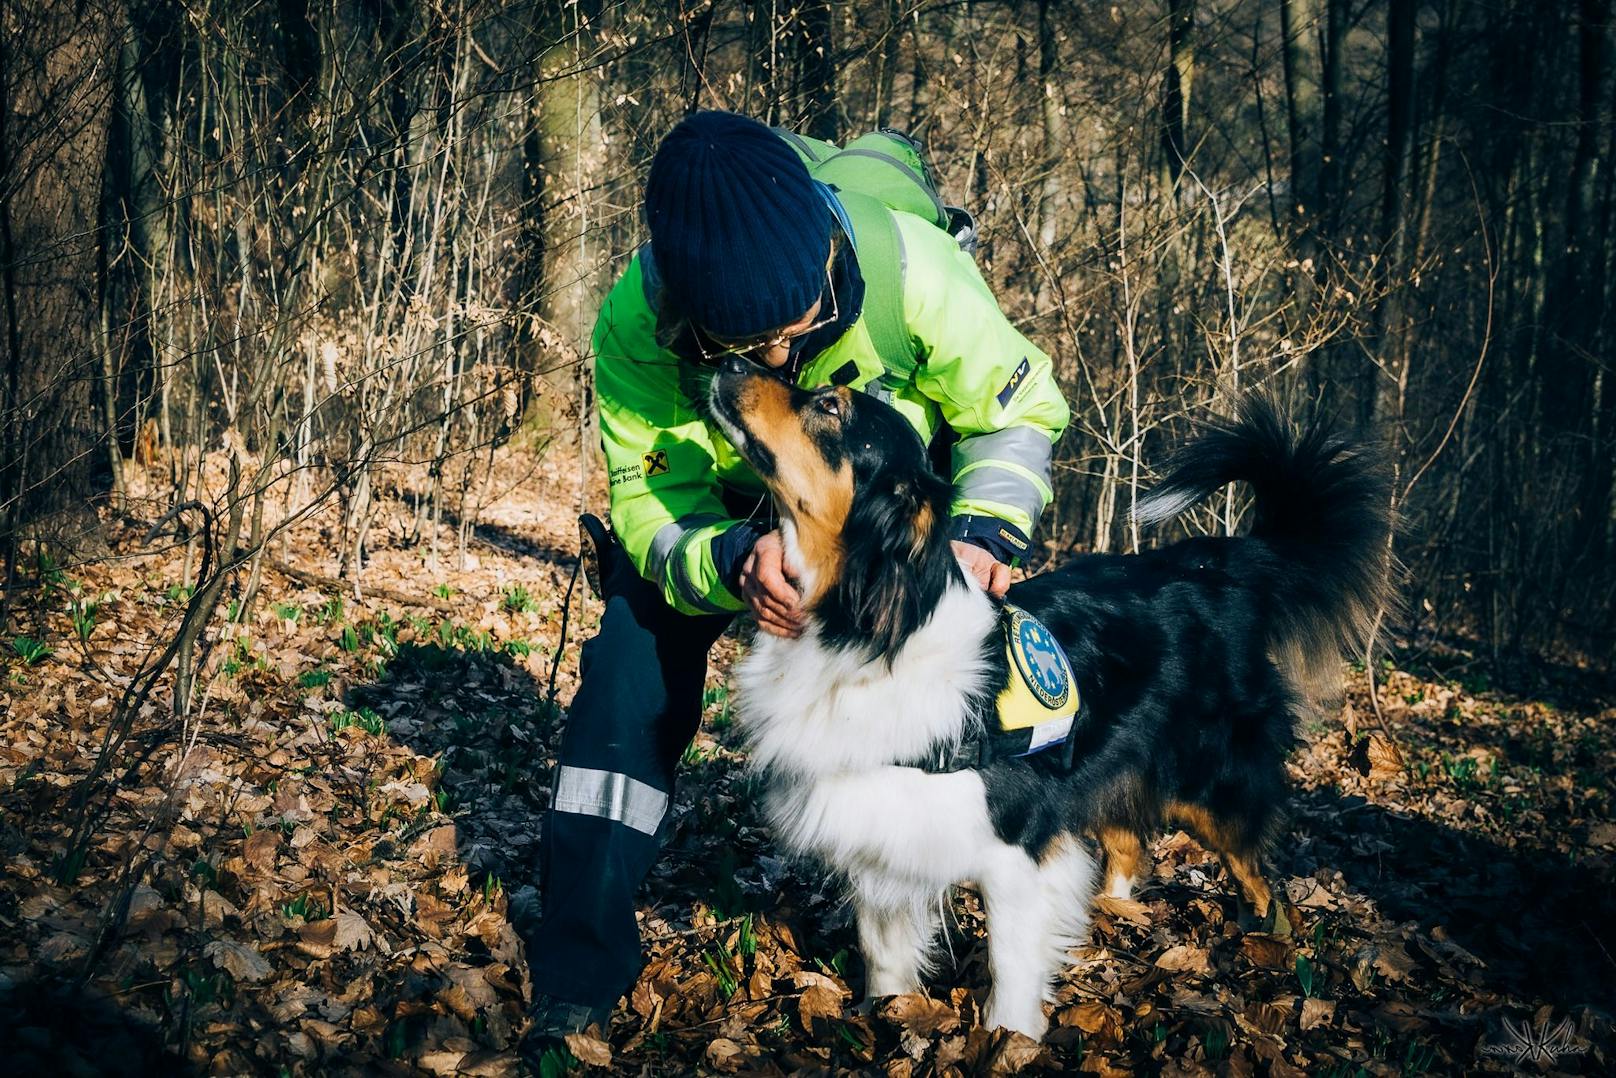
point(898, 737)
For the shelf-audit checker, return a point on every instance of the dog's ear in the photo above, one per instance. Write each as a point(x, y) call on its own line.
point(896, 562)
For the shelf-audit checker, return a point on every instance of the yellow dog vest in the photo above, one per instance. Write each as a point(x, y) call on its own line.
point(1041, 698)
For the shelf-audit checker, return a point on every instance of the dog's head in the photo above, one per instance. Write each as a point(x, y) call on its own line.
point(864, 511)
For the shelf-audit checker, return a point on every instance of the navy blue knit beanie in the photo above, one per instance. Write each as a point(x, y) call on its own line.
point(739, 232)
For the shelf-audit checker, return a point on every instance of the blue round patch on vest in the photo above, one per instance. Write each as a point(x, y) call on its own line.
point(1041, 661)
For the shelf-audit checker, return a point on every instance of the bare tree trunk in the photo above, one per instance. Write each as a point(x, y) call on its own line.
point(816, 67)
point(1299, 58)
point(57, 68)
point(1177, 81)
point(891, 43)
point(1298, 27)
point(1382, 394)
point(1050, 87)
point(565, 149)
point(1582, 276)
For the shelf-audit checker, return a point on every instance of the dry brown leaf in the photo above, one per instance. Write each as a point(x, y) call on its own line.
point(488, 1063)
point(436, 843)
point(1385, 762)
point(920, 1015)
point(1266, 951)
point(317, 940)
point(644, 998)
point(760, 985)
point(1014, 1053)
point(1393, 962)
point(352, 931)
point(240, 960)
point(591, 1051)
point(1128, 909)
point(725, 1055)
point(1267, 1017)
point(818, 1001)
point(1184, 958)
point(1317, 1012)
point(441, 1061)
point(1309, 894)
point(259, 849)
point(1093, 1018)
point(1099, 1064)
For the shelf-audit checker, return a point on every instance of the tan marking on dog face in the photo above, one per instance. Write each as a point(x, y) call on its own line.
point(816, 496)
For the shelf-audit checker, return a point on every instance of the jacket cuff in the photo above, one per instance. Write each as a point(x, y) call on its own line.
point(729, 550)
point(1006, 542)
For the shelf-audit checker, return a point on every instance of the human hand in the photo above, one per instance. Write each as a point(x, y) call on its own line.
point(990, 572)
point(766, 590)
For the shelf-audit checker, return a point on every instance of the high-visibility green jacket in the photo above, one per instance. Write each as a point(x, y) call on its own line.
point(668, 467)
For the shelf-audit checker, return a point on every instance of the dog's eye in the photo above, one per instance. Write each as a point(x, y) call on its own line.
point(830, 405)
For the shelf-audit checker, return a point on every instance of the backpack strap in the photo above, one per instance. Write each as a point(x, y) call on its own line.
point(881, 260)
point(811, 150)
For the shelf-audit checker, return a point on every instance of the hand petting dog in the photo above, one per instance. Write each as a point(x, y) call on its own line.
point(777, 605)
point(766, 589)
point(990, 572)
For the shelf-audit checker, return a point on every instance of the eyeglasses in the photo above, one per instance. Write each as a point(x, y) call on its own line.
point(774, 340)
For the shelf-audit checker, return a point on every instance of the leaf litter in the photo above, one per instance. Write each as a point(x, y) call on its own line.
point(341, 851)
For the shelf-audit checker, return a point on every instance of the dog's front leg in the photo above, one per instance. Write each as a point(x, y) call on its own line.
point(1023, 931)
point(896, 924)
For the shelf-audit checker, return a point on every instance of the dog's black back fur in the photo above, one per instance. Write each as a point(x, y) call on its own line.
point(1194, 657)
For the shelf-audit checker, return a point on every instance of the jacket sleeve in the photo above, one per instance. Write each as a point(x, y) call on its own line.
point(994, 387)
point(665, 503)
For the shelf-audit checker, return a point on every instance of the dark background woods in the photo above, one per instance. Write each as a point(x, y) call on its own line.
point(326, 240)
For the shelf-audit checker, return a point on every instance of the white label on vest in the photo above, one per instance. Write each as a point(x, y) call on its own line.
point(1046, 734)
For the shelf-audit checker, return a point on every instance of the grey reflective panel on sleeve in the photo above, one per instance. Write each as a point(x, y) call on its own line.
point(1026, 446)
point(667, 539)
point(585, 791)
point(1001, 485)
point(681, 574)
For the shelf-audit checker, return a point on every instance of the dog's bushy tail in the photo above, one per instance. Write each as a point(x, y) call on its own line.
point(1322, 506)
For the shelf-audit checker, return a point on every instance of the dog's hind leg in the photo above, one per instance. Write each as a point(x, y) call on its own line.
point(896, 925)
point(1124, 856)
point(1236, 844)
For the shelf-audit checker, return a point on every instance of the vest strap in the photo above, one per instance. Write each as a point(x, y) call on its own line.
point(882, 262)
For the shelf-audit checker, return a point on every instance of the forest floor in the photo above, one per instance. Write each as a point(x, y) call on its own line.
point(329, 860)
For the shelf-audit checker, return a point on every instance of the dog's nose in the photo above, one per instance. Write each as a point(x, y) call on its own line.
point(734, 363)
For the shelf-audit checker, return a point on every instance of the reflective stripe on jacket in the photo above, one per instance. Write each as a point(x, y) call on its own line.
point(976, 373)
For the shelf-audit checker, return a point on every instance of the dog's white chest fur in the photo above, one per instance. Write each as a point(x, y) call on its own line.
point(829, 728)
point(814, 710)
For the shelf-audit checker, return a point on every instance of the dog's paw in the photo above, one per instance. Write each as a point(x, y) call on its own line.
point(1030, 1021)
point(1119, 887)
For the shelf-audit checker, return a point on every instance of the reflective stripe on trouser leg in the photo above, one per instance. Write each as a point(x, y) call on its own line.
point(588, 792)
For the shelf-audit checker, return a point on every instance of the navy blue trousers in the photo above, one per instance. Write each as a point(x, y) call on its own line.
point(637, 707)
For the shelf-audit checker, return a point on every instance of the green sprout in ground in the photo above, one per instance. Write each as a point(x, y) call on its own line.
point(31, 651)
point(364, 719)
point(516, 600)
